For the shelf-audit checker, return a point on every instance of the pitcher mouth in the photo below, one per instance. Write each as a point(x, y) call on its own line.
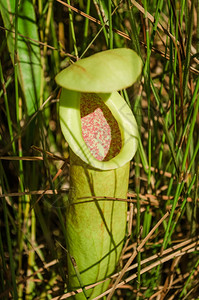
point(118, 127)
point(100, 129)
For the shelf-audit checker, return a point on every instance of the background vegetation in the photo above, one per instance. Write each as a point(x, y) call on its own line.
point(161, 249)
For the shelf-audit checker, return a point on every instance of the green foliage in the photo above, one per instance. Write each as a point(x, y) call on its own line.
point(163, 175)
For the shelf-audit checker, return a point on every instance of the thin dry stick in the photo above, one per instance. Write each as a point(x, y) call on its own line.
point(26, 158)
point(134, 255)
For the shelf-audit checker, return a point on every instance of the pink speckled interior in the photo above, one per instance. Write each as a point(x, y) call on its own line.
point(100, 130)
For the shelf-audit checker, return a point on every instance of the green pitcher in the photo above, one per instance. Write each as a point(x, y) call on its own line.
point(102, 134)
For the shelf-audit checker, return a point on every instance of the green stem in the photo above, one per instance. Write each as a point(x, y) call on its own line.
point(138, 221)
point(16, 63)
point(110, 25)
point(72, 30)
point(97, 5)
point(88, 4)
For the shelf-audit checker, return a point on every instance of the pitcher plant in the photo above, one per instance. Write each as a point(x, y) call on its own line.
point(102, 135)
